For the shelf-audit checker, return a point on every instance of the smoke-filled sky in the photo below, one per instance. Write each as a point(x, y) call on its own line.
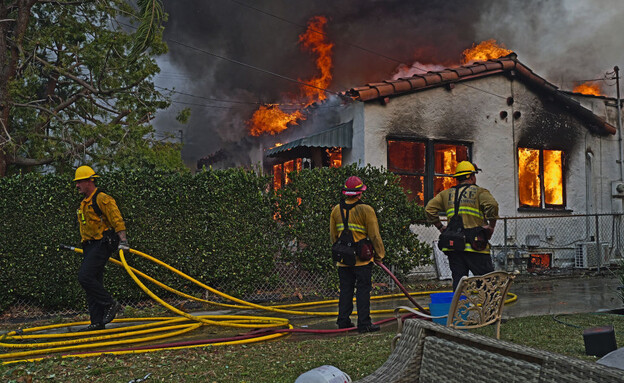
point(564, 41)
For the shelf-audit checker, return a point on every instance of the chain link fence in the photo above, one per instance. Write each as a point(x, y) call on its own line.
point(546, 244)
point(294, 285)
point(552, 244)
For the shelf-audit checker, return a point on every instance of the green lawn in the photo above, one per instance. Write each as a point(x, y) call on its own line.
point(284, 360)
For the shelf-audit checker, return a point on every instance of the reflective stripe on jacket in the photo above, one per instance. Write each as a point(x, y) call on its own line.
point(476, 207)
point(362, 223)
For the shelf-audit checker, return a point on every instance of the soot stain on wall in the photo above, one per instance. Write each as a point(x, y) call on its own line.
point(411, 123)
point(551, 127)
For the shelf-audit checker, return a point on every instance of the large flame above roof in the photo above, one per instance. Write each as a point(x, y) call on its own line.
point(591, 88)
point(485, 50)
point(271, 118)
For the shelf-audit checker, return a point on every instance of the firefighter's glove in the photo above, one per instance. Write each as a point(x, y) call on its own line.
point(123, 245)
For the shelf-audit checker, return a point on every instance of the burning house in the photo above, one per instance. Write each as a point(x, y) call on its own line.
point(542, 150)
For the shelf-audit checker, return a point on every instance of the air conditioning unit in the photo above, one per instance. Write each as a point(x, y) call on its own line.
point(586, 255)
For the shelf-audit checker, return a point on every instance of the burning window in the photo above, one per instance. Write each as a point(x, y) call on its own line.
point(281, 172)
point(447, 156)
point(420, 177)
point(334, 157)
point(540, 178)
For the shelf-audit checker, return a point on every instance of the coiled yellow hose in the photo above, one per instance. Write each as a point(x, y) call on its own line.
point(158, 327)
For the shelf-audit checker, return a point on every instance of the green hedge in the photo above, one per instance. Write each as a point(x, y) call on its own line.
point(306, 202)
point(217, 226)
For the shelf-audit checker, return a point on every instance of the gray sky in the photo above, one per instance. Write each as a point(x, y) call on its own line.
point(564, 41)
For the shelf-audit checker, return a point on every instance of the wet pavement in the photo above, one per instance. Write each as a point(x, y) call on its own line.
point(564, 296)
point(536, 296)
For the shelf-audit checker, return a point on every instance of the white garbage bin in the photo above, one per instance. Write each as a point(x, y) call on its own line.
point(324, 374)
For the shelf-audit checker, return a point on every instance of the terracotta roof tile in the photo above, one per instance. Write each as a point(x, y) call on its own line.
point(383, 88)
point(448, 75)
point(417, 82)
point(368, 94)
point(462, 71)
point(507, 63)
point(477, 68)
point(400, 86)
point(433, 78)
point(490, 65)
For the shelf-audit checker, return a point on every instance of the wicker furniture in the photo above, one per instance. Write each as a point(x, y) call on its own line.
point(430, 353)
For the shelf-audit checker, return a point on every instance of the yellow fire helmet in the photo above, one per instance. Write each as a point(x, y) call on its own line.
point(84, 172)
point(465, 168)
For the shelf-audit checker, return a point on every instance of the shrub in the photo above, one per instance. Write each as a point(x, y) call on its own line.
point(218, 226)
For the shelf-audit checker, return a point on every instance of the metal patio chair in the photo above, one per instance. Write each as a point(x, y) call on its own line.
point(477, 302)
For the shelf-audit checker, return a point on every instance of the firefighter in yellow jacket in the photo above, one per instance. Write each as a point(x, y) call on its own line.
point(362, 222)
point(478, 211)
point(95, 224)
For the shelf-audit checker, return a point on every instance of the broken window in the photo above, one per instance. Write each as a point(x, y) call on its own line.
point(540, 178)
point(425, 167)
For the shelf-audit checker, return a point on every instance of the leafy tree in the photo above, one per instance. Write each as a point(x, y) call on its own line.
point(76, 84)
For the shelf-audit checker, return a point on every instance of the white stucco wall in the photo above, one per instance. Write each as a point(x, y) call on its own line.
point(471, 112)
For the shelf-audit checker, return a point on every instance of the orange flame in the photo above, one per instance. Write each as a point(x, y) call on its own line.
point(315, 40)
point(485, 50)
point(553, 177)
point(528, 176)
point(271, 119)
point(591, 88)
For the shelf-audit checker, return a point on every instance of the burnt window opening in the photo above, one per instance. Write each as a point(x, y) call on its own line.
point(281, 172)
point(425, 167)
point(540, 178)
point(332, 158)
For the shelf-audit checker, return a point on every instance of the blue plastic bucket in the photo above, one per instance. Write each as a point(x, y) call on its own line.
point(440, 305)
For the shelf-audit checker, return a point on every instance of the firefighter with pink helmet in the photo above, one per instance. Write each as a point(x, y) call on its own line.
point(356, 220)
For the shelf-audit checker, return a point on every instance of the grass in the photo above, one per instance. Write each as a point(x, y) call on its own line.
point(284, 360)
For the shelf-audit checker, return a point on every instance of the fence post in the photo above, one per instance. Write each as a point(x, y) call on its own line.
point(599, 263)
point(505, 242)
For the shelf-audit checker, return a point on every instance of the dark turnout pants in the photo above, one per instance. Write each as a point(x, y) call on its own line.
point(355, 278)
point(461, 262)
point(91, 278)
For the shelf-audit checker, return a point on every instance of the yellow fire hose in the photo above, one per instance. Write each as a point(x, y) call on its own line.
point(158, 327)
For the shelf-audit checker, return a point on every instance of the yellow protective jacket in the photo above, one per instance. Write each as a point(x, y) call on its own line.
point(476, 207)
point(91, 225)
point(362, 223)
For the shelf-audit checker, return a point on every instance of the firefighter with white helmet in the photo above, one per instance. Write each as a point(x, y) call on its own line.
point(362, 225)
point(102, 230)
point(475, 219)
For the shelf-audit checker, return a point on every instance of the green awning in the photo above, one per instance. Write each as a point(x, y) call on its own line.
point(339, 136)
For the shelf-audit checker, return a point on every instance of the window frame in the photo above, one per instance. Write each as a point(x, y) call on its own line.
point(430, 173)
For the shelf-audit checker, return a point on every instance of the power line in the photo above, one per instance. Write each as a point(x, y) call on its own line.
point(325, 34)
point(221, 100)
point(232, 107)
point(251, 66)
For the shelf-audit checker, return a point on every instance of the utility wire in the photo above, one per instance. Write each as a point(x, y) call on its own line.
point(325, 34)
point(250, 66)
point(221, 100)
